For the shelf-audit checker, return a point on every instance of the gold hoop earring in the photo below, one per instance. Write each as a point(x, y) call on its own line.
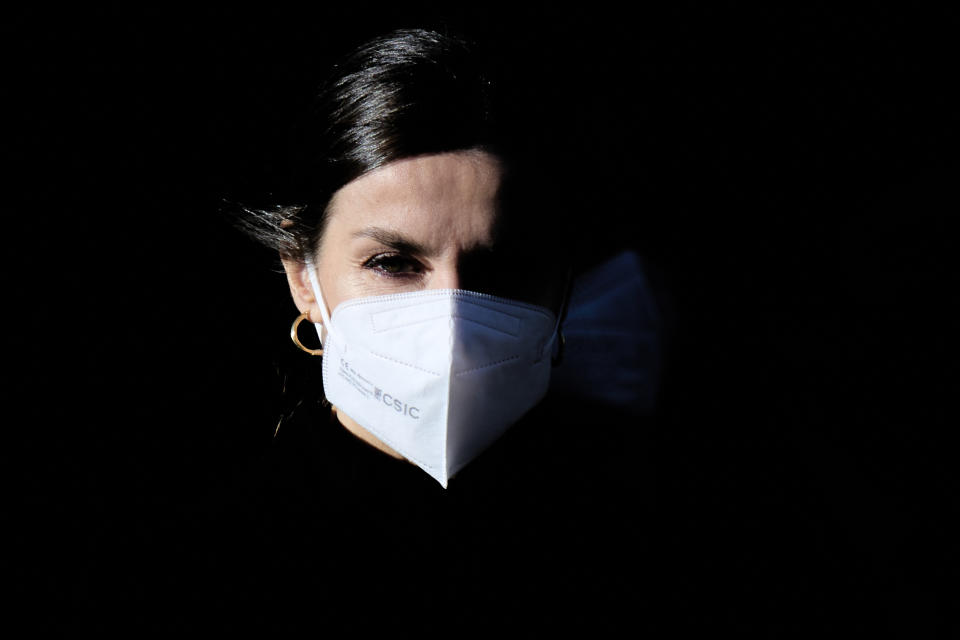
point(296, 340)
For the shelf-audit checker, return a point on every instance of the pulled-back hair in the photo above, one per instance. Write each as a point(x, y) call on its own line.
point(408, 93)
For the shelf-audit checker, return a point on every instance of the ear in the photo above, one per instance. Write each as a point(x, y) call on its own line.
point(298, 277)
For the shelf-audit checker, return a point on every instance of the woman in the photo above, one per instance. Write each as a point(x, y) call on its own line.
point(404, 187)
point(433, 255)
point(407, 184)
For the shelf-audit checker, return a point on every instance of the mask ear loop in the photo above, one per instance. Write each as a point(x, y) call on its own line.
point(561, 316)
point(315, 283)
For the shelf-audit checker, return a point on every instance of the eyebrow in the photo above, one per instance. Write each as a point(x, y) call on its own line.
point(394, 240)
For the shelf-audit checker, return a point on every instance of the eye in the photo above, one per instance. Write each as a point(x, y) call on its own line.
point(394, 265)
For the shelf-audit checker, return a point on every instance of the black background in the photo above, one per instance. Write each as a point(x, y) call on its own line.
point(788, 175)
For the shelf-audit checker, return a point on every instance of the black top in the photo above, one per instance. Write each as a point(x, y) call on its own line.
point(544, 526)
point(577, 518)
point(707, 514)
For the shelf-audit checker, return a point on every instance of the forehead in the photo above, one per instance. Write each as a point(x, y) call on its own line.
point(449, 197)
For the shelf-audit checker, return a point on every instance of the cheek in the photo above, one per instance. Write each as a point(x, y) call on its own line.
point(333, 272)
point(342, 278)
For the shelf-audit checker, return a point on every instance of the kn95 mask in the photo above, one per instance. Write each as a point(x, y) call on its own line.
point(436, 375)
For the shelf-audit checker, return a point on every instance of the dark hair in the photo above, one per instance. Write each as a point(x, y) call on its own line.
point(408, 93)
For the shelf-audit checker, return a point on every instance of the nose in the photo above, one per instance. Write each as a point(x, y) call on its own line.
point(446, 277)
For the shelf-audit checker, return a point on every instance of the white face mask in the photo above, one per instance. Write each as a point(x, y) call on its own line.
point(436, 375)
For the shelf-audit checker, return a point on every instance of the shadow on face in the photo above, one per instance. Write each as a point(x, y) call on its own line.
point(433, 222)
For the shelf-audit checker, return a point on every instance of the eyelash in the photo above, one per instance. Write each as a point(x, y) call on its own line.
point(377, 264)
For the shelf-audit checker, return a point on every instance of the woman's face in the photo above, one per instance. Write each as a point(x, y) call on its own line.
point(428, 222)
